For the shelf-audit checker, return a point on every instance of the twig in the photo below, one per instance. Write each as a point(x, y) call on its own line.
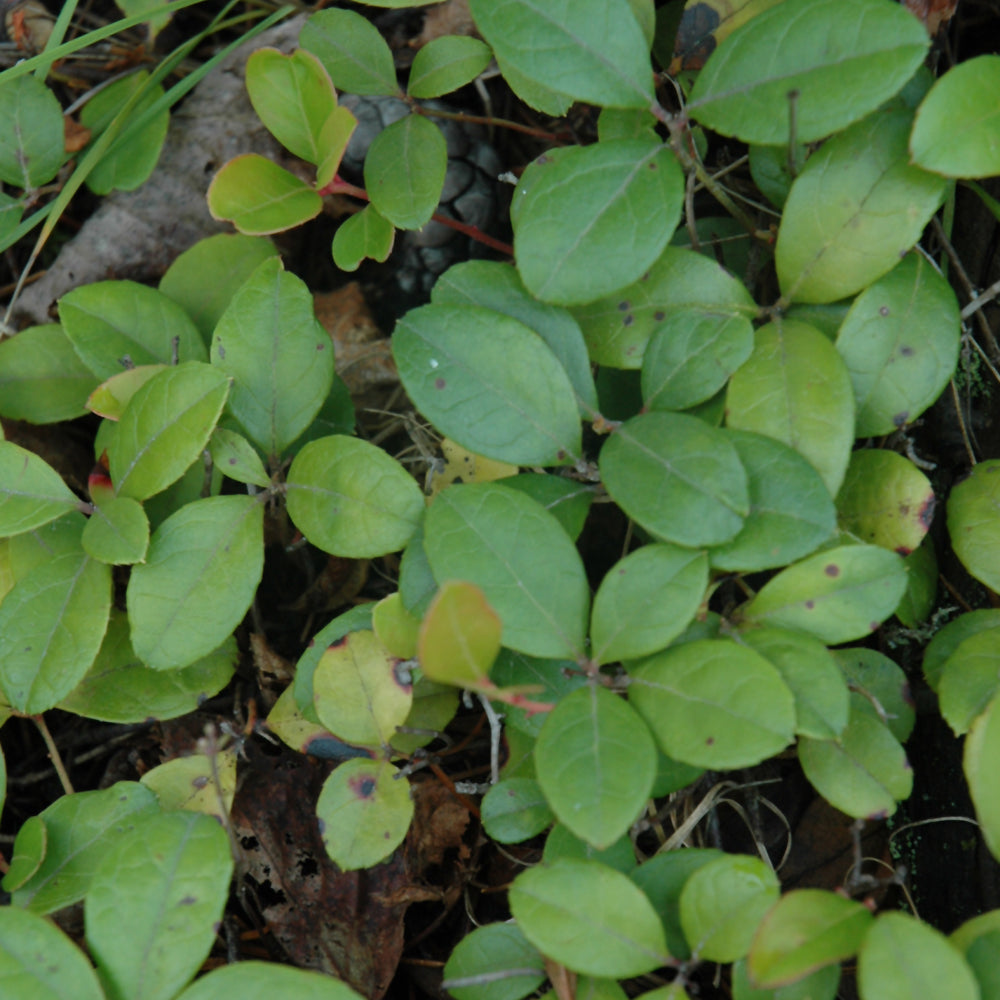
point(57, 762)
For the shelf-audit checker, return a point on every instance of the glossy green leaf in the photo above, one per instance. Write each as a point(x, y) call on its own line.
point(205, 277)
point(722, 904)
point(111, 321)
point(812, 675)
point(970, 680)
point(32, 143)
point(81, 829)
point(982, 745)
point(350, 498)
point(796, 388)
point(591, 50)
point(900, 341)
point(272, 317)
point(691, 356)
point(645, 601)
point(569, 501)
point(119, 687)
point(404, 171)
point(132, 157)
point(837, 595)
point(488, 382)
point(445, 64)
point(957, 128)
point(179, 866)
point(806, 930)
point(855, 209)
point(841, 58)
point(51, 626)
point(200, 575)
point(949, 637)
point(819, 985)
point(360, 691)
point(864, 772)
point(354, 53)
point(903, 958)
point(364, 235)
point(493, 962)
point(883, 683)
point(974, 522)
point(117, 532)
point(519, 555)
point(24, 938)
point(596, 763)
point(293, 96)
point(165, 427)
point(258, 197)
point(42, 380)
point(31, 492)
point(791, 511)
point(234, 456)
point(498, 287)
point(364, 812)
point(679, 478)
point(459, 636)
point(515, 809)
point(713, 703)
point(596, 219)
point(256, 980)
point(563, 908)
point(885, 500)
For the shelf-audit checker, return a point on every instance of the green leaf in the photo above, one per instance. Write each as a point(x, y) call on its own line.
point(255, 980)
point(841, 58)
point(120, 688)
point(567, 500)
point(645, 601)
point(459, 636)
point(42, 380)
point(836, 595)
point(947, 639)
point(900, 341)
point(235, 457)
point(873, 675)
point(365, 234)
point(796, 388)
point(974, 525)
point(535, 95)
point(855, 209)
point(258, 197)
point(548, 680)
point(350, 498)
point(293, 96)
point(498, 287)
point(205, 277)
point(713, 703)
point(515, 809)
point(519, 555)
point(31, 492)
point(404, 171)
point(691, 356)
point(24, 938)
point(978, 940)
point(165, 427)
point(806, 930)
point(864, 772)
point(445, 64)
point(200, 575)
point(271, 317)
point(354, 53)
point(676, 476)
point(592, 50)
point(970, 680)
point(885, 500)
point(618, 327)
point(596, 763)
point(791, 511)
point(722, 904)
point(334, 138)
point(364, 812)
point(561, 843)
point(595, 219)
point(31, 133)
point(111, 397)
point(957, 128)
point(498, 963)
point(179, 866)
point(563, 908)
point(488, 382)
point(903, 958)
point(819, 985)
point(117, 532)
point(813, 676)
point(979, 764)
point(131, 159)
point(51, 626)
point(109, 321)
point(921, 587)
point(81, 828)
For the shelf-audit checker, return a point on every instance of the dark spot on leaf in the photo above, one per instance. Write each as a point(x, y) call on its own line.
point(883, 311)
point(200, 782)
point(322, 824)
point(695, 39)
point(560, 455)
point(222, 352)
point(709, 741)
point(810, 605)
point(623, 306)
point(188, 900)
point(906, 351)
point(401, 674)
point(645, 277)
point(899, 420)
point(903, 550)
point(232, 461)
point(831, 569)
point(543, 159)
point(339, 643)
point(926, 513)
point(651, 165)
point(439, 383)
point(321, 347)
point(659, 315)
point(362, 786)
point(249, 843)
point(386, 835)
point(628, 320)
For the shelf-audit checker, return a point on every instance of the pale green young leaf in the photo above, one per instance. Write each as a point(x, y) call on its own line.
point(117, 532)
point(367, 234)
point(447, 63)
point(32, 493)
point(354, 53)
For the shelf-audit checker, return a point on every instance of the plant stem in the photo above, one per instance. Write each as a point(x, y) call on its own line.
point(57, 762)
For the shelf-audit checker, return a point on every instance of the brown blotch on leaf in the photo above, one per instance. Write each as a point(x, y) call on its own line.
point(906, 351)
point(831, 569)
point(883, 311)
point(623, 306)
point(810, 605)
point(926, 513)
point(900, 419)
point(628, 320)
point(659, 315)
point(362, 786)
point(439, 383)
